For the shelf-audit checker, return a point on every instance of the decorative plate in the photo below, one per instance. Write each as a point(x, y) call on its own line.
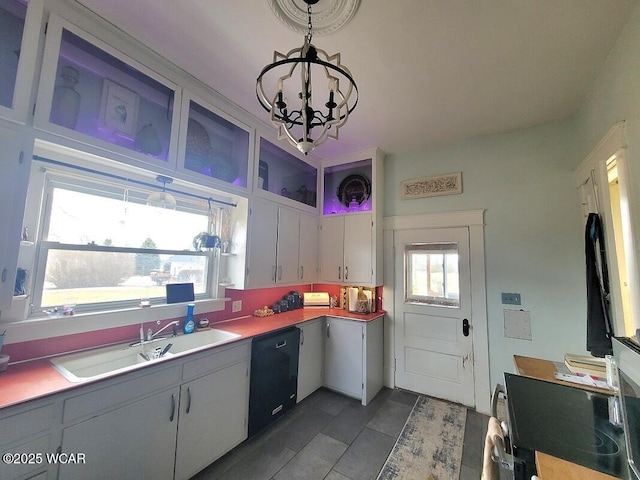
point(354, 186)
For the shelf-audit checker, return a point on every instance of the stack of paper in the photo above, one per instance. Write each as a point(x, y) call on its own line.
point(586, 365)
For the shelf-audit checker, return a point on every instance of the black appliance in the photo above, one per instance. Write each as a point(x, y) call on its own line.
point(274, 376)
point(626, 353)
point(566, 422)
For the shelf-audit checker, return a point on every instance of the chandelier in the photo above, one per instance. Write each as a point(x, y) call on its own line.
point(303, 116)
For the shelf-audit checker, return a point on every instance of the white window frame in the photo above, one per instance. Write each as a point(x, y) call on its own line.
point(82, 183)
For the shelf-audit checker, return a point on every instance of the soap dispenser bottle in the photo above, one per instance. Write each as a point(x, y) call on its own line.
point(189, 324)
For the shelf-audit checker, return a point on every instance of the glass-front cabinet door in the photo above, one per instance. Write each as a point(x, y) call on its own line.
point(213, 144)
point(19, 35)
point(93, 93)
point(284, 174)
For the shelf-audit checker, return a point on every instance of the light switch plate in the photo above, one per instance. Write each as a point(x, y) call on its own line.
point(236, 306)
point(511, 298)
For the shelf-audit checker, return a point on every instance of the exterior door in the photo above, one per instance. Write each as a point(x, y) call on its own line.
point(433, 342)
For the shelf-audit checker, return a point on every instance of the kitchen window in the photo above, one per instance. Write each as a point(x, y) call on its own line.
point(432, 274)
point(101, 247)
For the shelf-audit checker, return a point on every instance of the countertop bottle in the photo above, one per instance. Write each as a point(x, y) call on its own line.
point(189, 324)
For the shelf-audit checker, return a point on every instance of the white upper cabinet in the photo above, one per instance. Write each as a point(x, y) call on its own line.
point(351, 222)
point(93, 93)
point(15, 158)
point(213, 146)
point(21, 28)
point(308, 258)
point(346, 249)
point(274, 245)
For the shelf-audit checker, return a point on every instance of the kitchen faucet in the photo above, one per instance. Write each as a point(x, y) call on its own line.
point(170, 324)
point(150, 335)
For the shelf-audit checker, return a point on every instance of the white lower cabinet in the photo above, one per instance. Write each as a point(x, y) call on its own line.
point(26, 435)
point(343, 365)
point(311, 357)
point(212, 420)
point(131, 442)
point(354, 357)
point(126, 431)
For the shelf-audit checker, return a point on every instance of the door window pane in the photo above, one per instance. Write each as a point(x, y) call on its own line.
point(432, 274)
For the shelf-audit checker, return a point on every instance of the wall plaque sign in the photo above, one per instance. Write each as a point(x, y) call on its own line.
point(447, 184)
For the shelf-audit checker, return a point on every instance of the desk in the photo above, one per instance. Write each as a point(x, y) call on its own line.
point(549, 467)
point(545, 369)
point(552, 468)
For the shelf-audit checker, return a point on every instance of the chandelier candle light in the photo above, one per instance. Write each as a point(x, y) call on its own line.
point(297, 122)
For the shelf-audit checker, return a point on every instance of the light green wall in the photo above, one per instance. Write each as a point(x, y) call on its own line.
point(614, 97)
point(524, 179)
point(533, 233)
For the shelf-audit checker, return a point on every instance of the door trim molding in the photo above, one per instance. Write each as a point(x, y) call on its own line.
point(474, 221)
point(461, 218)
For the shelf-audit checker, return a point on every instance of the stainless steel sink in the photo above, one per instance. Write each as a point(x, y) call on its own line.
point(102, 362)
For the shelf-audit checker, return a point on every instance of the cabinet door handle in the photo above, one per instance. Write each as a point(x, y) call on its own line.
point(301, 337)
point(346, 273)
point(273, 272)
point(280, 272)
point(188, 400)
point(339, 271)
point(4, 275)
point(328, 326)
point(173, 407)
point(301, 272)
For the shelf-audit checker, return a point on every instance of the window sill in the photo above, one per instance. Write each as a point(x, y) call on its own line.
point(35, 328)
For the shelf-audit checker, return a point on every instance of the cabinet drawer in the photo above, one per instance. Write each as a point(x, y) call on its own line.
point(220, 358)
point(28, 422)
point(113, 395)
point(32, 457)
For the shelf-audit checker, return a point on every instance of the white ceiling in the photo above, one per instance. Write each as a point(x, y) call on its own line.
point(428, 71)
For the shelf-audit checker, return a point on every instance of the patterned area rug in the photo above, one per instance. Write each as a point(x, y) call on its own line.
point(430, 444)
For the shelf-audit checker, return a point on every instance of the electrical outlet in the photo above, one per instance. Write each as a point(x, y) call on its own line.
point(511, 298)
point(236, 306)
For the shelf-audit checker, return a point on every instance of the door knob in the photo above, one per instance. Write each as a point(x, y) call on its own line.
point(465, 327)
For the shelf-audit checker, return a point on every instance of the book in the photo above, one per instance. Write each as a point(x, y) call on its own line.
point(586, 365)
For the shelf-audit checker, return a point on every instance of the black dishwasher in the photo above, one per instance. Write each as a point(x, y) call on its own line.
point(274, 376)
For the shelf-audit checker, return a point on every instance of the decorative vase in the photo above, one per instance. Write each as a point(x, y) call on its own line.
point(66, 101)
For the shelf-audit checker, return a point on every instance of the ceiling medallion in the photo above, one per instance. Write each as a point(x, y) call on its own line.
point(328, 15)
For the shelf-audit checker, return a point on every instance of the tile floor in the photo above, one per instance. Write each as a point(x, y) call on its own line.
point(332, 437)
